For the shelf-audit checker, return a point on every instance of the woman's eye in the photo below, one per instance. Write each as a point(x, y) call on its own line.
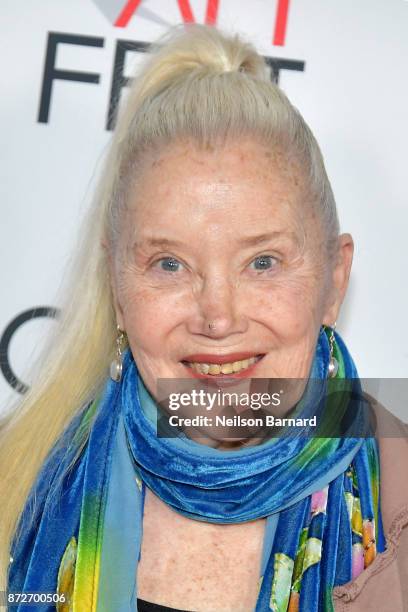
point(264, 262)
point(169, 264)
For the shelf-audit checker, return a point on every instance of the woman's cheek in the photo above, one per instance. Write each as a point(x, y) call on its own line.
point(149, 310)
point(288, 308)
point(289, 295)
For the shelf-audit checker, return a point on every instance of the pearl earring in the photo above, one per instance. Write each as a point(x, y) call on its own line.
point(333, 363)
point(116, 366)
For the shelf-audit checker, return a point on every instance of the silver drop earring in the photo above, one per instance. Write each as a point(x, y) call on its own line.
point(116, 366)
point(333, 363)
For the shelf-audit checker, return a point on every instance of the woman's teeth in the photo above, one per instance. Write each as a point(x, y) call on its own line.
point(224, 368)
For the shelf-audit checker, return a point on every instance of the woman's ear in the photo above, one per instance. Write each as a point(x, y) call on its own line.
point(339, 278)
point(112, 279)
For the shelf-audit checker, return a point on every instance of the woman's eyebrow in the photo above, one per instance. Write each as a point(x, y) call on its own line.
point(254, 240)
point(156, 242)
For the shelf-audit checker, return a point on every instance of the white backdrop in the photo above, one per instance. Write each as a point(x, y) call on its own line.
point(353, 92)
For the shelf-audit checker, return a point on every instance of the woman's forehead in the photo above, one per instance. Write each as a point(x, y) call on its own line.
point(223, 197)
point(242, 178)
point(241, 155)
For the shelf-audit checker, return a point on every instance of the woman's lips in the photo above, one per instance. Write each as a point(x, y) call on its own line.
point(234, 365)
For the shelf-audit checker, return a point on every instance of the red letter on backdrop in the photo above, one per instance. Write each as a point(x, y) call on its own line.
point(281, 22)
point(184, 5)
point(212, 12)
point(211, 16)
point(126, 13)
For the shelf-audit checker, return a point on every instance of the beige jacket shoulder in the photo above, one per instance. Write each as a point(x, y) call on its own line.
point(383, 585)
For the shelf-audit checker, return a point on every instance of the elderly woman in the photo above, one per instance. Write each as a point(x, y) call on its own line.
point(212, 254)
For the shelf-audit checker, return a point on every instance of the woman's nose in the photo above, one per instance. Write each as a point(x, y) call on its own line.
point(218, 311)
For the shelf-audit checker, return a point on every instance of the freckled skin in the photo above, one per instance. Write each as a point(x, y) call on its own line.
point(210, 201)
point(193, 565)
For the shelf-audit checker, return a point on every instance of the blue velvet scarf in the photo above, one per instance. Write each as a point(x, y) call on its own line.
point(80, 538)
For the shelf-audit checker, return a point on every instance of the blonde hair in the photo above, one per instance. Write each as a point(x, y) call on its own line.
point(198, 84)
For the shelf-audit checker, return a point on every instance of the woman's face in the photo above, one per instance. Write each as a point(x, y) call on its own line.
point(224, 238)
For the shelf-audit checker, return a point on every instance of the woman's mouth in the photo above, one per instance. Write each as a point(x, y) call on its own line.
point(231, 366)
